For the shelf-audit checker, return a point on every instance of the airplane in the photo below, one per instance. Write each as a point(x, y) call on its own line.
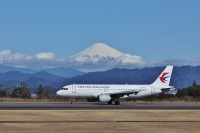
point(112, 93)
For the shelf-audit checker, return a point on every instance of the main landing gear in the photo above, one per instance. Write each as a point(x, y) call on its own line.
point(116, 102)
point(110, 102)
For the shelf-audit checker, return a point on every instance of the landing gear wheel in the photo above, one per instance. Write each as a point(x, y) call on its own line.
point(109, 102)
point(117, 102)
point(72, 101)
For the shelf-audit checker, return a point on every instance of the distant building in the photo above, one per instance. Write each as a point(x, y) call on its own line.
point(33, 95)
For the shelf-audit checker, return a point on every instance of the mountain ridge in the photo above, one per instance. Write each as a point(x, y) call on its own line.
point(180, 78)
point(58, 71)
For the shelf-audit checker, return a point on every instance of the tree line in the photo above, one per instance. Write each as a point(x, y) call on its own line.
point(24, 93)
point(190, 93)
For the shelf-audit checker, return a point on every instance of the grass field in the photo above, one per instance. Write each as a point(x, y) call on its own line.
point(109, 121)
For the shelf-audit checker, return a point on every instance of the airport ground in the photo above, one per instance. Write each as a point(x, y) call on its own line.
point(90, 121)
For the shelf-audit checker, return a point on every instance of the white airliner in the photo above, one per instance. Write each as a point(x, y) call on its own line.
point(112, 93)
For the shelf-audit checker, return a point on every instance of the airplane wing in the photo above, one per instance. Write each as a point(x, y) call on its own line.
point(122, 93)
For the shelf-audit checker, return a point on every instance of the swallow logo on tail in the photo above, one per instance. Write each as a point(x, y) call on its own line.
point(163, 78)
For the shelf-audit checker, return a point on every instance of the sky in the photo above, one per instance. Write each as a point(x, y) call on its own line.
point(160, 31)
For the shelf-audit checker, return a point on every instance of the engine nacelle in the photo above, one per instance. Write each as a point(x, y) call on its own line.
point(104, 98)
point(92, 99)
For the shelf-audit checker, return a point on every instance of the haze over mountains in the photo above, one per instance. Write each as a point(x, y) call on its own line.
point(59, 71)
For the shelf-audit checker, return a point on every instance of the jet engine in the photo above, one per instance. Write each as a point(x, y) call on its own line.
point(92, 99)
point(104, 98)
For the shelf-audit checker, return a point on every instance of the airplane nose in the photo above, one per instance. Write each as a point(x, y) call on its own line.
point(58, 93)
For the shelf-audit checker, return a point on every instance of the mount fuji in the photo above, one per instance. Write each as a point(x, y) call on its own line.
point(102, 54)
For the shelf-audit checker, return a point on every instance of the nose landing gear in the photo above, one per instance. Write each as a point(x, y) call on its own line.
point(116, 102)
point(72, 101)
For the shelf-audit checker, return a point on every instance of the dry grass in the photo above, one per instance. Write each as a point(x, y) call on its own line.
point(70, 121)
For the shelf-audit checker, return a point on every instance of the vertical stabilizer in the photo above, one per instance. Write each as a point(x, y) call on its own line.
point(165, 76)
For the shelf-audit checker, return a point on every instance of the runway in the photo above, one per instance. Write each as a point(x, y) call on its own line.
point(99, 106)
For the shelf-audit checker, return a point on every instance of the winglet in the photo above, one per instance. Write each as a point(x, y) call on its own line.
point(165, 76)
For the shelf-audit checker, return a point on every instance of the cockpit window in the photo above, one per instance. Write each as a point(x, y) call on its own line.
point(64, 88)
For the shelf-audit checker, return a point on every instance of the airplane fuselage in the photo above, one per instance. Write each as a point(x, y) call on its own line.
point(92, 90)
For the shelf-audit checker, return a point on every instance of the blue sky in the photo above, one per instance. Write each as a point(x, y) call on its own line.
point(156, 30)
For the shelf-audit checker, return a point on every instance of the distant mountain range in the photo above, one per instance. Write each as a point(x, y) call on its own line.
point(182, 77)
point(59, 71)
point(64, 72)
point(11, 80)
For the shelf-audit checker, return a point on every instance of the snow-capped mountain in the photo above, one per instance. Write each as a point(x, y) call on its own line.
point(98, 52)
point(102, 53)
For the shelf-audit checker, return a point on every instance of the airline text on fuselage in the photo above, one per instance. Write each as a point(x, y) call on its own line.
point(82, 86)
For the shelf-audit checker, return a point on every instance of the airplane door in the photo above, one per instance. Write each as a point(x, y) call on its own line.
point(152, 90)
point(73, 89)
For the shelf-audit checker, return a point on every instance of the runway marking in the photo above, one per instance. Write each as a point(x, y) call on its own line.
point(97, 121)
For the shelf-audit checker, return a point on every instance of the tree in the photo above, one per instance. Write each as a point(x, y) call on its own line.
point(21, 92)
point(194, 84)
point(48, 94)
point(3, 93)
point(40, 93)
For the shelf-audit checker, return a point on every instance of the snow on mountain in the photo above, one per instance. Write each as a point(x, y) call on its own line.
point(102, 53)
point(96, 53)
